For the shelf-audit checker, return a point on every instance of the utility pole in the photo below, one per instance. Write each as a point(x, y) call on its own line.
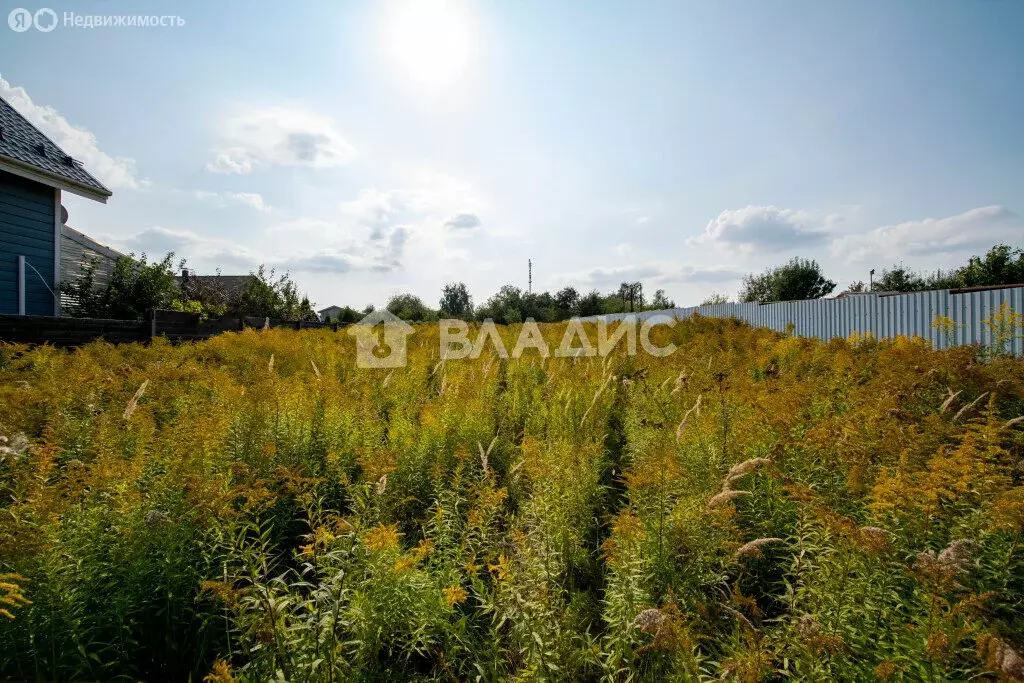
point(529, 276)
point(871, 280)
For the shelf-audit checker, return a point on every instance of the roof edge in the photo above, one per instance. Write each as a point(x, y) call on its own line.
point(20, 168)
point(81, 238)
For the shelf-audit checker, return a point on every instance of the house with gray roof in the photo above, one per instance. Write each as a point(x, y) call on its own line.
point(34, 172)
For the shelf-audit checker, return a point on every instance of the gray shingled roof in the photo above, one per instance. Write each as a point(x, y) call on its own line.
point(21, 144)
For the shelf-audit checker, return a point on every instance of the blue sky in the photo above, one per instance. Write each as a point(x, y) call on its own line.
point(373, 148)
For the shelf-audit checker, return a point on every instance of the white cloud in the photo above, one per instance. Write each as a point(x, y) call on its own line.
point(381, 257)
point(650, 273)
point(224, 199)
point(333, 246)
point(114, 172)
point(963, 234)
point(766, 228)
point(281, 137)
point(211, 252)
point(374, 230)
point(463, 221)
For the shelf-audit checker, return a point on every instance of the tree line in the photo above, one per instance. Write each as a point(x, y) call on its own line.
point(801, 278)
point(513, 305)
point(798, 278)
point(138, 285)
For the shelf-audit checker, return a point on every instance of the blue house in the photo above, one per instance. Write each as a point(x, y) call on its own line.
point(33, 173)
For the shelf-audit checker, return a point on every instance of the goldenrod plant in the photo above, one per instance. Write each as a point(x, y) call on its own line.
point(752, 507)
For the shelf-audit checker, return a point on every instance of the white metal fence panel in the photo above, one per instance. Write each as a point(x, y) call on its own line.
point(986, 317)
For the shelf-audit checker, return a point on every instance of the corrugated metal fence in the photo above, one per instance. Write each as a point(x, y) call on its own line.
point(946, 317)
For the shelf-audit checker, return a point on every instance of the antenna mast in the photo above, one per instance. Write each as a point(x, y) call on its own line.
point(529, 276)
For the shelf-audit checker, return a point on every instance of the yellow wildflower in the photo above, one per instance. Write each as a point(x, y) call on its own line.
point(453, 595)
point(501, 570)
point(404, 564)
point(424, 548)
point(221, 673)
point(383, 537)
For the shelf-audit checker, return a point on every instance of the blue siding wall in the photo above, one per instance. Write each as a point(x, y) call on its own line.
point(26, 228)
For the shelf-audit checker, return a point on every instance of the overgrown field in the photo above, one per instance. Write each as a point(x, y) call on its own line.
point(752, 507)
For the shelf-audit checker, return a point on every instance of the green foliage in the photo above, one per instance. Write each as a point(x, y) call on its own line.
point(567, 303)
point(660, 301)
point(1001, 265)
point(135, 286)
point(505, 307)
point(857, 287)
point(267, 296)
point(797, 279)
point(715, 299)
point(410, 307)
point(204, 311)
point(348, 315)
point(456, 301)
point(589, 304)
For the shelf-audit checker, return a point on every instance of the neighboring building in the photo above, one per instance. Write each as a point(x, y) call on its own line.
point(217, 290)
point(331, 312)
point(33, 173)
point(79, 252)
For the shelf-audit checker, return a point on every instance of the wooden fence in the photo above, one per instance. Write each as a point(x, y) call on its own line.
point(175, 326)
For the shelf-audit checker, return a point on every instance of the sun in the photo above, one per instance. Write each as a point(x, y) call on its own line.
point(430, 43)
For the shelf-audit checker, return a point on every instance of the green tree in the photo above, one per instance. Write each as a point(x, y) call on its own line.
point(714, 299)
point(899, 278)
point(1002, 265)
point(456, 301)
point(567, 302)
point(267, 296)
point(136, 285)
point(797, 279)
point(632, 295)
point(505, 307)
point(410, 307)
point(346, 315)
point(660, 301)
point(589, 304)
point(540, 307)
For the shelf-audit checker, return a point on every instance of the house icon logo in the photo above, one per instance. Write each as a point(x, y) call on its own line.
point(376, 348)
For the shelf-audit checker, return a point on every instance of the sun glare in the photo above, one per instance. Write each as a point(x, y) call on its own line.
point(431, 43)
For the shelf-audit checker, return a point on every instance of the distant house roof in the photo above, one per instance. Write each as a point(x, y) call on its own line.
point(227, 286)
point(847, 295)
point(329, 309)
point(26, 152)
point(89, 243)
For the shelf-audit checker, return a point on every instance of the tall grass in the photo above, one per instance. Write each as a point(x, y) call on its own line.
point(753, 507)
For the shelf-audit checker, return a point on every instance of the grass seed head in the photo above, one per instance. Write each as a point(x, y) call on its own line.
point(753, 549)
point(134, 400)
point(725, 497)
